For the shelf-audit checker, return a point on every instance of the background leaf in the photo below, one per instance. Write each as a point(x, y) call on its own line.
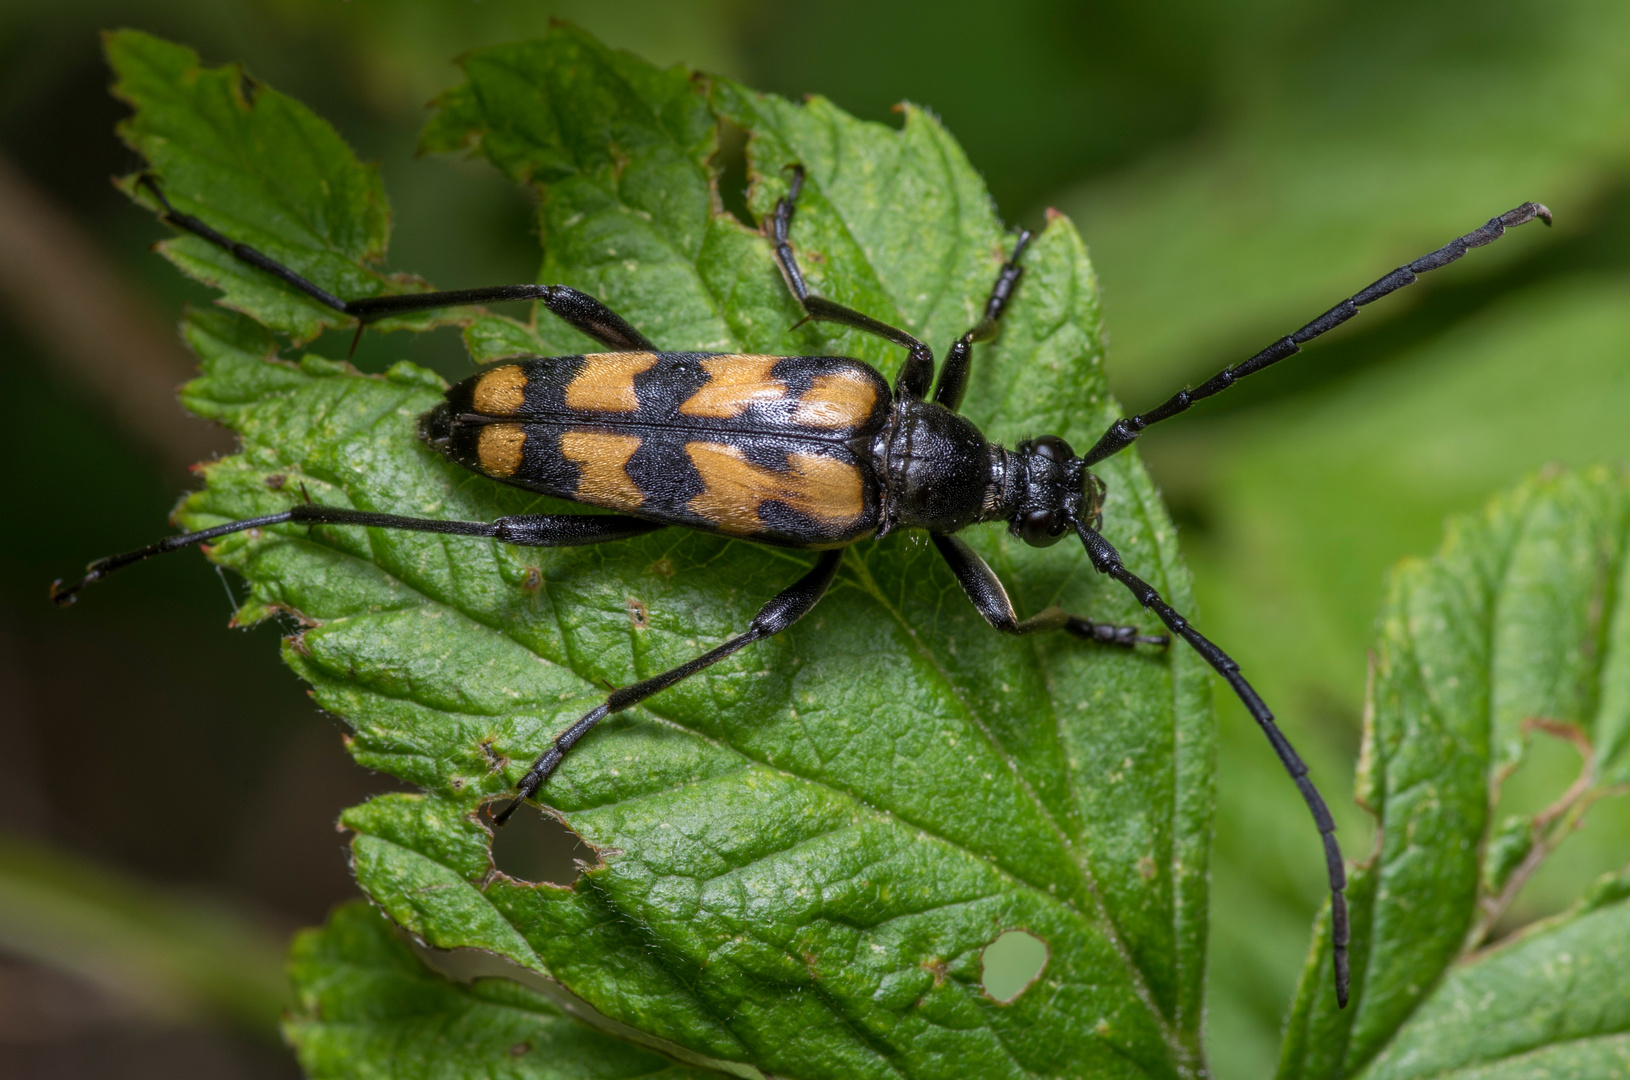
point(172, 957)
point(1357, 137)
point(804, 851)
point(1298, 507)
point(1514, 632)
point(1552, 1003)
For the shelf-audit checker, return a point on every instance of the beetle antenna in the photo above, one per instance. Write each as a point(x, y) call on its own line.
point(1106, 560)
point(1122, 432)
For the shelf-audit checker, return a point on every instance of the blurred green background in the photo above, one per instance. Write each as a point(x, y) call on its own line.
point(167, 793)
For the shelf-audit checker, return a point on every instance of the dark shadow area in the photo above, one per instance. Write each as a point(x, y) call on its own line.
point(54, 1026)
point(1038, 94)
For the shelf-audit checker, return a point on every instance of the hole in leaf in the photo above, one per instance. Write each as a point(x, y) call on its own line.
point(1555, 831)
point(731, 161)
point(538, 847)
point(1011, 963)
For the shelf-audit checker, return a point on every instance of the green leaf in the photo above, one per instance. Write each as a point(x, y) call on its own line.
point(263, 169)
point(631, 214)
point(1552, 1004)
point(1515, 626)
point(804, 850)
point(367, 1007)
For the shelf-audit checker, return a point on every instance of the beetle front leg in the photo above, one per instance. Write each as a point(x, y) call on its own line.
point(954, 372)
point(917, 373)
point(985, 589)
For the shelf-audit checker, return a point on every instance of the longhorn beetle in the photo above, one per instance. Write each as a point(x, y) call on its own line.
point(811, 452)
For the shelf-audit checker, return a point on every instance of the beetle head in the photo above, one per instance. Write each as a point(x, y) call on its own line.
point(1057, 489)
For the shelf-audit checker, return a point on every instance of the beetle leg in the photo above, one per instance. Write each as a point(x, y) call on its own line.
point(530, 530)
point(579, 309)
point(788, 606)
point(985, 589)
point(917, 373)
point(1106, 560)
point(1122, 432)
point(954, 372)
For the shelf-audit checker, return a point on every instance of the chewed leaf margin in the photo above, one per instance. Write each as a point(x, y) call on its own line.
point(368, 1006)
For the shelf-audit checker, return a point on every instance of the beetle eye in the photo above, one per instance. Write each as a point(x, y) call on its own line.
point(1042, 528)
point(1052, 448)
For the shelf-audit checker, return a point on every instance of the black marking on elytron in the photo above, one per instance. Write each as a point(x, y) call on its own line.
point(919, 465)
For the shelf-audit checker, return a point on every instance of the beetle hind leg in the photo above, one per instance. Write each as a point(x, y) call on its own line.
point(786, 608)
point(530, 530)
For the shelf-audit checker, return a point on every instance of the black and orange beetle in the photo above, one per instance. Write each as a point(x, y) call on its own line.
point(811, 452)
